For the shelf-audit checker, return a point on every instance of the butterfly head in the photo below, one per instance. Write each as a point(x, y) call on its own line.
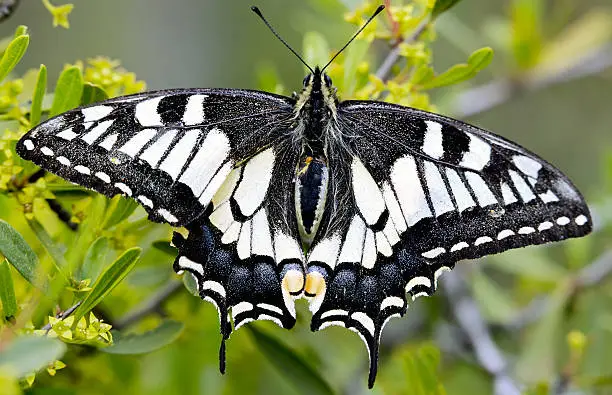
point(318, 96)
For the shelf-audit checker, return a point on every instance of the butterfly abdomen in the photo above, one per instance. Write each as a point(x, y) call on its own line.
point(310, 196)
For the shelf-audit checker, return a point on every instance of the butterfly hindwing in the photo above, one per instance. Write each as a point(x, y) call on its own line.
point(169, 150)
point(414, 193)
point(245, 252)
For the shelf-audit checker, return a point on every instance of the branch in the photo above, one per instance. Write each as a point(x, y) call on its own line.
point(471, 322)
point(487, 96)
point(149, 306)
point(62, 315)
point(589, 276)
point(393, 56)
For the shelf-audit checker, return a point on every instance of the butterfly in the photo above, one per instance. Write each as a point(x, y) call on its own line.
point(358, 206)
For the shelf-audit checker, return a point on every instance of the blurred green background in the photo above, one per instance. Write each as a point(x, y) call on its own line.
point(564, 117)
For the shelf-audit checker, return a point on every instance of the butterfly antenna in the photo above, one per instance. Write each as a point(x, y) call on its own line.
point(378, 10)
point(259, 14)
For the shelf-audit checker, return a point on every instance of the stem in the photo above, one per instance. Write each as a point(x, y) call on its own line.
point(149, 306)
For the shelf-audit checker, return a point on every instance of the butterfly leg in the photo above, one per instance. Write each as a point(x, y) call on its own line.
point(364, 300)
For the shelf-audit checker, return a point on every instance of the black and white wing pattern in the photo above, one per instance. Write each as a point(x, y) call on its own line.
point(220, 162)
point(169, 150)
point(415, 192)
point(244, 252)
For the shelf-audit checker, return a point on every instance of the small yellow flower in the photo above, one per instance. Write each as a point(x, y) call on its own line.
point(60, 13)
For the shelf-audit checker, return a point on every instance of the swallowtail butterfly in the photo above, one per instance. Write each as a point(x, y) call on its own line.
point(351, 204)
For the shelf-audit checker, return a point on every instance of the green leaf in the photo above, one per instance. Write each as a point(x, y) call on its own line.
point(108, 280)
point(316, 49)
point(18, 252)
point(50, 246)
point(120, 208)
point(289, 364)
point(442, 6)
point(37, 97)
point(191, 283)
point(21, 30)
point(544, 343)
point(423, 74)
point(493, 300)
point(527, 32)
point(477, 61)
point(68, 91)
point(7, 291)
point(532, 263)
point(29, 354)
point(164, 246)
point(95, 258)
point(146, 342)
point(92, 94)
point(13, 54)
point(353, 56)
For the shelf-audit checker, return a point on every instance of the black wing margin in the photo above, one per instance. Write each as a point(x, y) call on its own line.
point(414, 193)
point(170, 150)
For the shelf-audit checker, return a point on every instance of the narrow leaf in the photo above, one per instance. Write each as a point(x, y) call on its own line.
point(18, 252)
point(494, 301)
point(108, 280)
point(13, 54)
point(477, 61)
point(7, 291)
point(21, 30)
point(120, 208)
point(442, 6)
point(29, 354)
point(542, 346)
point(289, 364)
point(146, 342)
point(92, 94)
point(50, 246)
point(95, 259)
point(166, 247)
point(37, 97)
point(191, 283)
point(68, 91)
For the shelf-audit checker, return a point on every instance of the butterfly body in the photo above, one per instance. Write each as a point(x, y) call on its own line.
point(354, 204)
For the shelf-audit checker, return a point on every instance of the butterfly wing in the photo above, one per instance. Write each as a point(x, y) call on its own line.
point(205, 159)
point(414, 193)
point(169, 150)
point(244, 252)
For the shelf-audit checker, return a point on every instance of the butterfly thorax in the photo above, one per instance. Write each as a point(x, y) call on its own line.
point(315, 108)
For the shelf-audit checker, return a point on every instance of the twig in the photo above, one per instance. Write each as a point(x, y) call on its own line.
point(149, 306)
point(591, 275)
point(471, 322)
point(62, 315)
point(484, 97)
point(386, 65)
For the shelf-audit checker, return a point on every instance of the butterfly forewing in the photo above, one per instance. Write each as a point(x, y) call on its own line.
point(169, 150)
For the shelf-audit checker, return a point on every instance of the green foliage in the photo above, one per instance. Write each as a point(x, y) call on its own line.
point(166, 333)
point(290, 364)
point(29, 354)
point(108, 280)
point(68, 91)
point(7, 291)
point(18, 252)
point(13, 54)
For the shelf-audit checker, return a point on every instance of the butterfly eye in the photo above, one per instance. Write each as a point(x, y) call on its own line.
point(307, 80)
point(328, 81)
